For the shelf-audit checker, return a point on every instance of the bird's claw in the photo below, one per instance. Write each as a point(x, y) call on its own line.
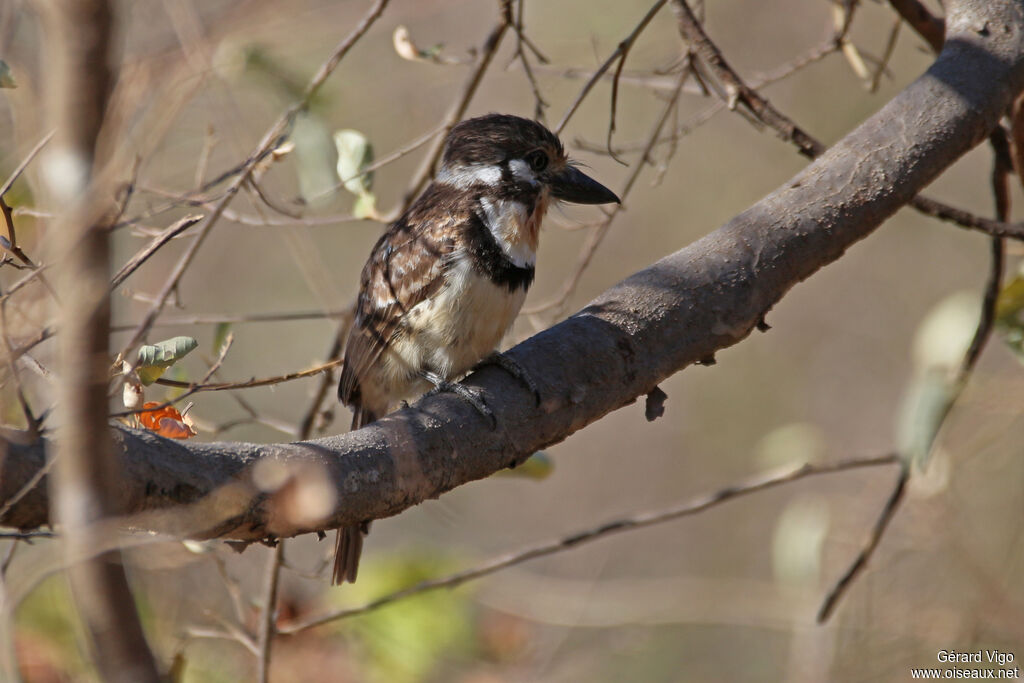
point(512, 367)
point(471, 396)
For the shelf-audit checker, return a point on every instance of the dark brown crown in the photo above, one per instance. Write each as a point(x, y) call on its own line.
point(494, 138)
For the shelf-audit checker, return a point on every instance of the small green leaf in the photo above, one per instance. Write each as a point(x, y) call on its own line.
point(315, 158)
point(941, 342)
point(929, 398)
point(945, 334)
point(537, 467)
point(6, 77)
point(798, 543)
point(1011, 299)
point(365, 206)
point(355, 153)
point(1009, 318)
point(149, 373)
point(153, 359)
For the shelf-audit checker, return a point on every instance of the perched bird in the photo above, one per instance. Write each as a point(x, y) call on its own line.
point(443, 285)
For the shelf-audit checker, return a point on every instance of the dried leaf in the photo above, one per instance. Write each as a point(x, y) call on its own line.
point(404, 45)
point(166, 421)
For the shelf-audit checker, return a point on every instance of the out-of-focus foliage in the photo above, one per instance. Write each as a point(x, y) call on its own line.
point(407, 642)
point(942, 339)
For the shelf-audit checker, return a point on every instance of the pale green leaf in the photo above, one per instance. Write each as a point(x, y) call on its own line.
point(799, 539)
point(220, 335)
point(355, 153)
point(365, 206)
point(153, 359)
point(6, 77)
point(945, 334)
point(929, 397)
point(538, 466)
point(150, 373)
point(1010, 316)
point(315, 158)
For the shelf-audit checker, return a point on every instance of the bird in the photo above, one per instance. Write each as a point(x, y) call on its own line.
point(444, 283)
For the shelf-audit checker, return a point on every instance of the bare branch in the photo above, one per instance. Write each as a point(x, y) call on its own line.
point(24, 163)
point(927, 25)
point(892, 504)
point(603, 530)
point(160, 240)
point(269, 615)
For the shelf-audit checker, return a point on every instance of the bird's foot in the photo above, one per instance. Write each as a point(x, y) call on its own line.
point(471, 396)
point(512, 367)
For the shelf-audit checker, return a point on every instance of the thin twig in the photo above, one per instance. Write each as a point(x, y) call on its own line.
point(890, 48)
point(857, 567)
point(219, 318)
point(269, 141)
point(305, 429)
point(927, 25)
point(159, 241)
point(31, 421)
point(269, 614)
point(196, 387)
point(598, 235)
point(818, 52)
point(429, 164)
point(233, 634)
point(636, 521)
point(737, 90)
point(520, 54)
point(25, 162)
point(619, 53)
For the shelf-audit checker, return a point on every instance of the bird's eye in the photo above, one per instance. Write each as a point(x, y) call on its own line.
point(538, 160)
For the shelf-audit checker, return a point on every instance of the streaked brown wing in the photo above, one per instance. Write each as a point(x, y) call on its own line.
point(406, 266)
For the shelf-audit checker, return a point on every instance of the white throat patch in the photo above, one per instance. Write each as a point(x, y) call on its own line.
point(506, 219)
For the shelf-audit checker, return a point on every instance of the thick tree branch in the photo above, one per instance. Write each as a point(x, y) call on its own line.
point(679, 311)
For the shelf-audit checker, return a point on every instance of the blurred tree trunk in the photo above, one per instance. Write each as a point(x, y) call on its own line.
point(81, 37)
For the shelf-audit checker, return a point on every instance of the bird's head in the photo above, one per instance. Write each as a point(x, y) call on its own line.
point(512, 156)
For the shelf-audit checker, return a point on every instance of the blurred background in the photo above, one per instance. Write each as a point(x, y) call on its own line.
point(730, 594)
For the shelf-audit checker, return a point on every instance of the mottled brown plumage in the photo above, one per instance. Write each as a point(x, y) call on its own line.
point(445, 282)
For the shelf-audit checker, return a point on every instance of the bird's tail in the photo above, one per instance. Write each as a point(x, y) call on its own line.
point(349, 544)
point(362, 416)
point(347, 550)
